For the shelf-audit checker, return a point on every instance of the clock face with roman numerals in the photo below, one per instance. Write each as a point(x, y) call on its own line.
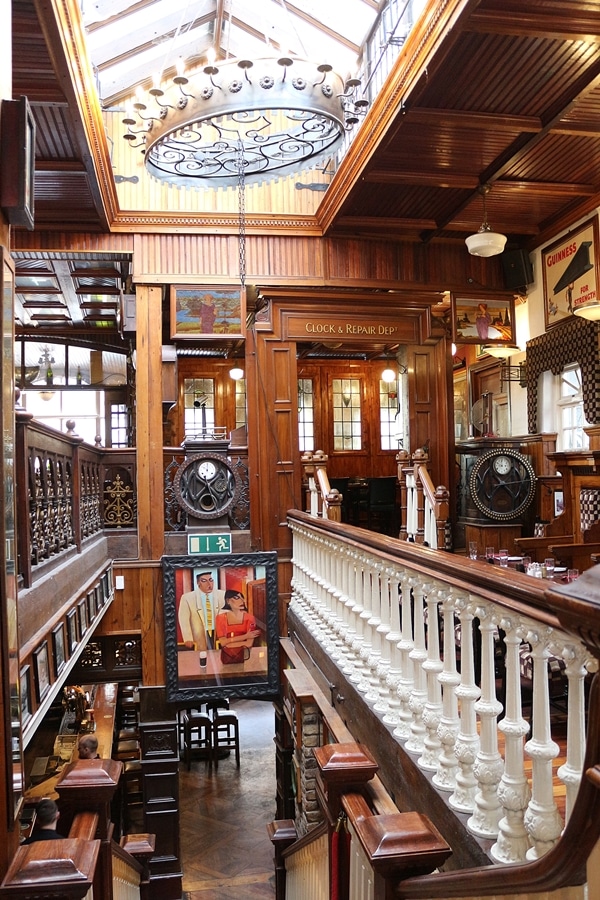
point(207, 485)
point(502, 484)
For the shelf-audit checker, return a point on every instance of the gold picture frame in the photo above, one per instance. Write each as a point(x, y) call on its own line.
point(483, 319)
point(201, 312)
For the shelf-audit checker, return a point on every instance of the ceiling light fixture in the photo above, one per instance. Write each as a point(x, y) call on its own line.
point(283, 113)
point(485, 242)
point(501, 351)
point(236, 373)
point(588, 310)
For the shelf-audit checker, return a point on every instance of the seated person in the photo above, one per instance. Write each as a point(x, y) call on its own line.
point(47, 814)
point(88, 747)
point(236, 628)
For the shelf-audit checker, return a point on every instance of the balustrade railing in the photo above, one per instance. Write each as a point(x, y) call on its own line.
point(424, 508)
point(455, 657)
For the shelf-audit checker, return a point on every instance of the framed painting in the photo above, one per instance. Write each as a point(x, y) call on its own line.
point(58, 648)
point(25, 694)
point(83, 620)
point(72, 629)
point(570, 272)
point(91, 606)
point(41, 671)
point(483, 319)
point(221, 626)
point(207, 311)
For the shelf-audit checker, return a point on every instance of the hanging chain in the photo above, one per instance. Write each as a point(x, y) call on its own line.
point(242, 213)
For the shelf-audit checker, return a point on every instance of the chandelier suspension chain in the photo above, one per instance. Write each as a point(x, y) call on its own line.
point(242, 213)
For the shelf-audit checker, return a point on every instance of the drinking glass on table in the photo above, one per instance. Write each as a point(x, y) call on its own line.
point(473, 549)
point(572, 574)
point(549, 564)
point(503, 558)
point(526, 562)
point(489, 554)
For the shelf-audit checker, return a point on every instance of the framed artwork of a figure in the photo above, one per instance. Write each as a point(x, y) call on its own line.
point(221, 626)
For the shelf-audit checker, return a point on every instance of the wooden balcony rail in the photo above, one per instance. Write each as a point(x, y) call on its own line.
point(449, 654)
point(324, 500)
point(424, 508)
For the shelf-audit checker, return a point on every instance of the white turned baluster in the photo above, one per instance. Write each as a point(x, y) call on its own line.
point(370, 653)
point(392, 638)
point(570, 772)
point(383, 629)
point(349, 632)
point(432, 711)
point(405, 647)
point(513, 791)
point(362, 649)
point(542, 820)
point(449, 726)
point(333, 586)
point(418, 696)
point(467, 741)
point(488, 765)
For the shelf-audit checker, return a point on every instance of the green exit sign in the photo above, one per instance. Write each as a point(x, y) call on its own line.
point(209, 543)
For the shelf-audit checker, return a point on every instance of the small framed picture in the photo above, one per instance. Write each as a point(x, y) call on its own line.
point(91, 606)
point(483, 319)
point(199, 312)
point(73, 630)
point(99, 597)
point(58, 648)
point(42, 671)
point(25, 694)
point(82, 610)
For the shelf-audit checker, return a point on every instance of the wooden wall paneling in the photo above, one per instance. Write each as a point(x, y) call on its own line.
point(271, 382)
point(152, 625)
point(150, 490)
point(430, 406)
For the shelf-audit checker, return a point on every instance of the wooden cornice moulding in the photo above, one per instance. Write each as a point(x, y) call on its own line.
point(193, 223)
point(404, 78)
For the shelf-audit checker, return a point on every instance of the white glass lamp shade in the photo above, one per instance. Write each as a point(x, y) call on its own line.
point(501, 351)
point(485, 243)
point(589, 310)
point(388, 375)
point(236, 373)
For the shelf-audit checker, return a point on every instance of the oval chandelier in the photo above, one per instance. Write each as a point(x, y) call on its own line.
point(269, 117)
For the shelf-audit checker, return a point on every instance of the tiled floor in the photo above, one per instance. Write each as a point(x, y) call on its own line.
point(225, 851)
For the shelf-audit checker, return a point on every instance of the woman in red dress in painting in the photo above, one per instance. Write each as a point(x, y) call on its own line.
point(236, 628)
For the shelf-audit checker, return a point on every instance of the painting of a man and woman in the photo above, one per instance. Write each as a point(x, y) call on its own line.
point(220, 623)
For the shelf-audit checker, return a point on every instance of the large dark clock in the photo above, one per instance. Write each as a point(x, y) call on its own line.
point(207, 485)
point(502, 484)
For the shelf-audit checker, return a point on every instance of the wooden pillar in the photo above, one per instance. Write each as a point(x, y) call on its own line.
point(150, 489)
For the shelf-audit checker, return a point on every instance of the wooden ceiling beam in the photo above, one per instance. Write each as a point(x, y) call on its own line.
point(550, 22)
point(466, 119)
point(65, 280)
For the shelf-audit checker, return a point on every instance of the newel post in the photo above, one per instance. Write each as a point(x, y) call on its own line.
point(89, 785)
point(402, 460)
point(342, 768)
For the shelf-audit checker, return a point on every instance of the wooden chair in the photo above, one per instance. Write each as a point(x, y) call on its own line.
point(197, 735)
point(226, 736)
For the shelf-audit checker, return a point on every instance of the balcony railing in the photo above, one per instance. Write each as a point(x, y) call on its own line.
point(458, 659)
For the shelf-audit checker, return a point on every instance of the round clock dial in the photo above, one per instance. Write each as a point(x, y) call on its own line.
point(502, 484)
point(502, 465)
point(207, 469)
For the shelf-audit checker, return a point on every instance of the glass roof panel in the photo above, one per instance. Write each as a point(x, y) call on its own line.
point(131, 41)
